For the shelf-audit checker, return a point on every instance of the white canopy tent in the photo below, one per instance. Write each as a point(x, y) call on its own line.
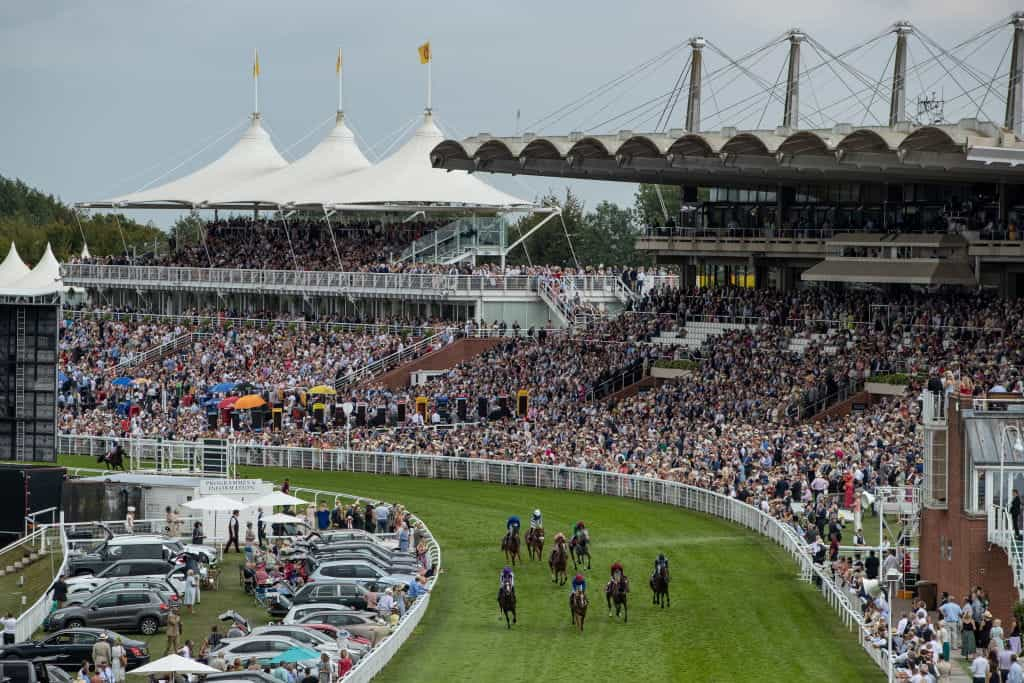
point(407, 178)
point(336, 156)
point(251, 159)
point(45, 279)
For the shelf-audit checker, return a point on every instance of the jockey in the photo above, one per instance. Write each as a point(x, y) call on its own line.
point(579, 585)
point(512, 525)
point(559, 537)
point(536, 520)
point(507, 576)
point(660, 562)
point(617, 571)
point(579, 533)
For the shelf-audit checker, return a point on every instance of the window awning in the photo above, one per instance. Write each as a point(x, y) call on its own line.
point(891, 271)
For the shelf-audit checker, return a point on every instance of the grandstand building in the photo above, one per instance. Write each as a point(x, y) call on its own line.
point(916, 200)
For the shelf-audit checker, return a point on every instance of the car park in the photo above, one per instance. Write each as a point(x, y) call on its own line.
point(129, 610)
point(133, 547)
point(69, 647)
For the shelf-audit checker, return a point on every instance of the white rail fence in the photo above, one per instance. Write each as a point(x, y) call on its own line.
point(565, 478)
point(43, 541)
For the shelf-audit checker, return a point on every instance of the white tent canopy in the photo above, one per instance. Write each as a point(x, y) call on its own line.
point(174, 664)
point(42, 280)
point(337, 155)
point(252, 158)
point(13, 268)
point(408, 178)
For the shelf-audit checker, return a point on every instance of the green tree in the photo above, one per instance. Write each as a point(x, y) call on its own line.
point(549, 246)
point(609, 237)
point(30, 219)
point(648, 207)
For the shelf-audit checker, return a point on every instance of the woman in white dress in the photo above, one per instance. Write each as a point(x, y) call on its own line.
point(118, 658)
point(191, 589)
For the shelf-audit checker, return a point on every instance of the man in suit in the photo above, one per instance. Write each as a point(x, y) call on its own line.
point(232, 532)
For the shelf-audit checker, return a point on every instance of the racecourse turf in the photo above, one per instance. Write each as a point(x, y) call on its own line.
point(738, 610)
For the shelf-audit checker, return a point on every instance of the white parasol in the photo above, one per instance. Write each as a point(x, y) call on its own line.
point(174, 664)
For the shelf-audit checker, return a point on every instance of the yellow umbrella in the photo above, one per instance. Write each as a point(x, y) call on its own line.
point(323, 389)
point(250, 401)
point(142, 380)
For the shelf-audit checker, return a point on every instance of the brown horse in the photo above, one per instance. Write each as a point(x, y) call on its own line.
point(616, 593)
point(578, 607)
point(510, 545)
point(558, 561)
point(535, 543)
point(659, 584)
point(507, 603)
point(580, 550)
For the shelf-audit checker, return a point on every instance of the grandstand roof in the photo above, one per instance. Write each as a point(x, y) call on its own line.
point(252, 158)
point(881, 271)
point(941, 152)
point(407, 178)
point(337, 155)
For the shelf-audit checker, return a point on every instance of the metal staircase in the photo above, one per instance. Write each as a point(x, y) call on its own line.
point(461, 239)
point(1000, 533)
point(19, 386)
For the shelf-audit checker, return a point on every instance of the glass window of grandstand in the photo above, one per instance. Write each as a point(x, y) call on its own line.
point(988, 488)
point(718, 275)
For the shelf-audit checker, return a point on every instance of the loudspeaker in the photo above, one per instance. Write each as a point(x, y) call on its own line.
point(234, 420)
point(257, 419)
point(481, 408)
point(401, 412)
point(211, 421)
point(318, 413)
point(277, 413)
point(503, 406)
point(522, 403)
point(339, 415)
point(380, 416)
point(361, 415)
point(461, 407)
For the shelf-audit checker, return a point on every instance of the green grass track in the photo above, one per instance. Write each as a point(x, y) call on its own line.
point(738, 611)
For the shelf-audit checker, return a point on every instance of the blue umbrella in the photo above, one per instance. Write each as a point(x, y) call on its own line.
point(211, 401)
point(295, 654)
point(223, 387)
point(123, 382)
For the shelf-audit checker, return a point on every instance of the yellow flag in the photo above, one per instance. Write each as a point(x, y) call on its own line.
point(424, 52)
point(337, 67)
point(256, 64)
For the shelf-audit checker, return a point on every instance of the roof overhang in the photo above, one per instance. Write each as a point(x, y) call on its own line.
point(891, 271)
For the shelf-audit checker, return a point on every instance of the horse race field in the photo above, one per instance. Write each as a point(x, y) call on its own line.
point(738, 612)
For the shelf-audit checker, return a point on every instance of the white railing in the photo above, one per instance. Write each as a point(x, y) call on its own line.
point(31, 619)
point(564, 478)
point(382, 365)
point(157, 352)
point(1000, 532)
point(306, 281)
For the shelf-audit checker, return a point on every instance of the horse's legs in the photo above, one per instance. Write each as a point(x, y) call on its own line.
point(608, 596)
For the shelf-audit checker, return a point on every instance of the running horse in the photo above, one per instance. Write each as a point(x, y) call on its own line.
point(507, 603)
point(578, 607)
point(580, 548)
point(510, 545)
point(558, 561)
point(617, 593)
point(535, 543)
point(659, 584)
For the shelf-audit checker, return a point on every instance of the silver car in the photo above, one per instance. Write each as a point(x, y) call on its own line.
point(260, 648)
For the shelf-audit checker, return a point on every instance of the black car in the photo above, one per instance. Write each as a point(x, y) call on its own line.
point(334, 592)
point(69, 647)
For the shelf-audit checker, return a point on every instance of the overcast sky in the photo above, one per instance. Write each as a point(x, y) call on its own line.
point(100, 98)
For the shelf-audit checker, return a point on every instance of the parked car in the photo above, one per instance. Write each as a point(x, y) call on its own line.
point(88, 581)
point(21, 671)
point(334, 592)
point(260, 648)
point(310, 638)
point(160, 586)
point(365, 624)
point(133, 547)
point(67, 648)
point(354, 569)
point(383, 558)
point(130, 610)
point(247, 676)
point(298, 612)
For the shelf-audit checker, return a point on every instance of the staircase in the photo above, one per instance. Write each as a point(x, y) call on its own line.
point(692, 335)
point(19, 386)
point(1000, 532)
point(382, 365)
point(161, 351)
point(460, 239)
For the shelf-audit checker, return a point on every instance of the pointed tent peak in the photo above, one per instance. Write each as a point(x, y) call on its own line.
point(44, 279)
point(12, 268)
point(85, 250)
point(48, 262)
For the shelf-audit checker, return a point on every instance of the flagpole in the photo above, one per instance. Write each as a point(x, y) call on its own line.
point(256, 82)
point(430, 63)
point(341, 106)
